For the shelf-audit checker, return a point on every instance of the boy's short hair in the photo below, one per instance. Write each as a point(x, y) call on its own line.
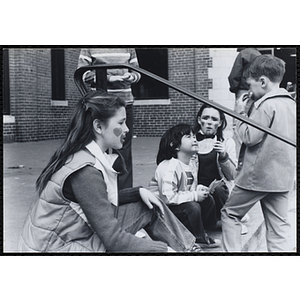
point(266, 65)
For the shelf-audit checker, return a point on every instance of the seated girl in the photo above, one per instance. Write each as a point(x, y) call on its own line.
point(79, 209)
point(216, 161)
point(175, 182)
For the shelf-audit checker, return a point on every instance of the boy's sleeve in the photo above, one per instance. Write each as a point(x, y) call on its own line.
point(250, 135)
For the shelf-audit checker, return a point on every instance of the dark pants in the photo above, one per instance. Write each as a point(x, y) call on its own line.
point(125, 178)
point(220, 196)
point(195, 216)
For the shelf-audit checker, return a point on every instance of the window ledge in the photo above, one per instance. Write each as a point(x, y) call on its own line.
point(152, 102)
point(8, 119)
point(59, 102)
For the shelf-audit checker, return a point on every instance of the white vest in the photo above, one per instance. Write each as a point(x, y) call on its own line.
point(104, 163)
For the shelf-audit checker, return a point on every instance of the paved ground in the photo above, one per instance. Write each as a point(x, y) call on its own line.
point(23, 162)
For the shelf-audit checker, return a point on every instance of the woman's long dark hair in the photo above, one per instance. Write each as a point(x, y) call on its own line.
point(171, 141)
point(220, 129)
point(94, 105)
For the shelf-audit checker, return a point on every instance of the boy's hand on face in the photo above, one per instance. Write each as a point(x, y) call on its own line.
point(241, 103)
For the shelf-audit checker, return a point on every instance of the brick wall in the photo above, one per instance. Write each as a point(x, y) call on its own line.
point(188, 68)
point(36, 119)
point(30, 95)
point(9, 132)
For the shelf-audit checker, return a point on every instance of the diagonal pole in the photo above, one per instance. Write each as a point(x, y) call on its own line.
point(78, 81)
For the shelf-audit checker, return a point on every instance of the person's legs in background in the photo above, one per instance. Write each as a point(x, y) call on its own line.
point(220, 195)
point(208, 212)
point(125, 179)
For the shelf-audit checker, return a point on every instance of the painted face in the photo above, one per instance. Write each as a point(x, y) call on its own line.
point(114, 133)
point(255, 87)
point(189, 144)
point(209, 121)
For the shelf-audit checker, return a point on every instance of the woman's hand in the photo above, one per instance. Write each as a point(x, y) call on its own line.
point(128, 78)
point(220, 147)
point(148, 198)
point(202, 192)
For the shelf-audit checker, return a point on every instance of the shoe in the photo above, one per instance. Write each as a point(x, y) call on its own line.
point(209, 242)
point(245, 218)
point(140, 234)
point(196, 248)
point(170, 250)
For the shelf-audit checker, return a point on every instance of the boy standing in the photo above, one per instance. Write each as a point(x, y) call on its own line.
point(266, 167)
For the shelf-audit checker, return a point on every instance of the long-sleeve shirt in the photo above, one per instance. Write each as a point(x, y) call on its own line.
point(174, 182)
point(100, 56)
point(88, 188)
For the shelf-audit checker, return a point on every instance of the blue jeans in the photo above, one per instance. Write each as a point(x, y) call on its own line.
point(167, 228)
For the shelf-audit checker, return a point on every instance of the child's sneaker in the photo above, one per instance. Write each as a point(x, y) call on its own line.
point(209, 242)
point(196, 248)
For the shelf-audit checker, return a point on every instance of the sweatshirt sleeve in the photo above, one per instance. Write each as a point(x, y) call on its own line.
point(129, 195)
point(89, 189)
point(134, 62)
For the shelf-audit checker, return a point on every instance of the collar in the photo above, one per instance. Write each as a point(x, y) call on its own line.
point(105, 159)
point(281, 92)
point(201, 136)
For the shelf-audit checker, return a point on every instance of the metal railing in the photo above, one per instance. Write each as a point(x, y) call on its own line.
point(101, 73)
